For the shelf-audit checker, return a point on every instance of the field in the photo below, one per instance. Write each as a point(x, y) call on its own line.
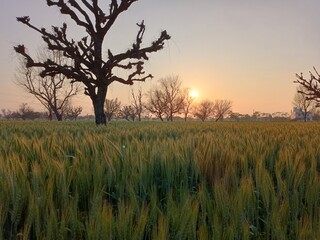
point(159, 180)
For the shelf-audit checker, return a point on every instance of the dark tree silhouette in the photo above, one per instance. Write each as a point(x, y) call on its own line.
point(311, 88)
point(88, 65)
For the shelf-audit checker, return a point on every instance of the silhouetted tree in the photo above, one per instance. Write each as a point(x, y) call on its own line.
point(173, 96)
point(6, 113)
point(187, 101)
point(310, 87)
point(137, 103)
point(88, 64)
point(26, 112)
point(128, 112)
point(302, 102)
point(166, 99)
point(112, 108)
point(53, 92)
point(156, 103)
point(204, 110)
point(221, 109)
point(71, 112)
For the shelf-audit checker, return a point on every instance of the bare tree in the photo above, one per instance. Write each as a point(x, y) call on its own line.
point(204, 110)
point(310, 87)
point(187, 101)
point(137, 103)
point(173, 96)
point(221, 109)
point(26, 112)
point(302, 102)
point(6, 113)
point(87, 55)
point(155, 103)
point(128, 112)
point(53, 92)
point(112, 108)
point(72, 112)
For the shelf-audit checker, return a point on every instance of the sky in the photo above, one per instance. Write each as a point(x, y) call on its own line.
point(246, 51)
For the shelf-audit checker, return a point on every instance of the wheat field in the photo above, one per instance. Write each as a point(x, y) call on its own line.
point(153, 180)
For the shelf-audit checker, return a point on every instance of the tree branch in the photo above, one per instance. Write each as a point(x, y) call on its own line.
point(311, 86)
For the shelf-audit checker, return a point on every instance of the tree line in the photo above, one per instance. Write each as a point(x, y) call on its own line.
point(25, 112)
point(166, 100)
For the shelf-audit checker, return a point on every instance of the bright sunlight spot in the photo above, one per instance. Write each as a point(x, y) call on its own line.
point(194, 93)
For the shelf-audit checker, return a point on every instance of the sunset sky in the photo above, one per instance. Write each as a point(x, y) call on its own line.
point(247, 51)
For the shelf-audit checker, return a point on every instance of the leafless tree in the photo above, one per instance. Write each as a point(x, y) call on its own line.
point(156, 103)
point(204, 110)
point(53, 92)
point(221, 109)
point(128, 112)
point(112, 108)
point(187, 102)
point(173, 95)
point(302, 102)
point(310, 87)
point(88, 65)
point(72, 112)
point(26, 112)
point(6, 113)
point(137, 103)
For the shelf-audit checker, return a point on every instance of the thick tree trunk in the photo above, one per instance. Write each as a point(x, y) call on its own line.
point(98, 105)
point(57, 114)
point(59, 117)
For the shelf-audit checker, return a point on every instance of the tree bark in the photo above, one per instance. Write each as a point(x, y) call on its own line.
point(98, 105)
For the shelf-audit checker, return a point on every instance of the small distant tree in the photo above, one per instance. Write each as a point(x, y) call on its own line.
point(112, 108)
point(25, 112)
point(234, 116)
point(53, 92)
point(222, 108)
point(166, 99)
point(72, 112)
point(6, 113)
point(156, 104)
point(204, 110)
point(137, 103)
point(187, 102)
point(173, 95)
point(128, 113)
point(302, 102)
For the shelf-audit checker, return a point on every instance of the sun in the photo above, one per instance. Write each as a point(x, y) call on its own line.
point(194, 93)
